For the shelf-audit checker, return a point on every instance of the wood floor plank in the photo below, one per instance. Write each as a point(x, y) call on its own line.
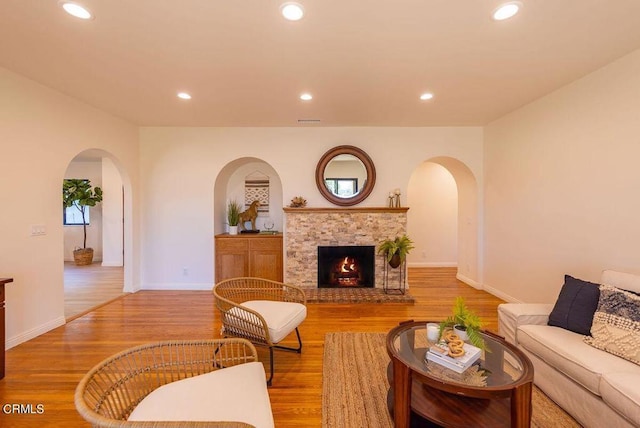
point(90, 286)
point(46, 369)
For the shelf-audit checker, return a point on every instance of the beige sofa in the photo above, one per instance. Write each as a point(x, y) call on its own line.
point(595, 387)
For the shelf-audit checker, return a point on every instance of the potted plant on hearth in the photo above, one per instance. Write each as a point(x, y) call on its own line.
point(396, 249)
point(233, 216)
point(465, 323)
point(80, 194)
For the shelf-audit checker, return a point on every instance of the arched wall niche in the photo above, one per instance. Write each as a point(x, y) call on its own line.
point(468, 218)
point(117, 211)
point(230, 184)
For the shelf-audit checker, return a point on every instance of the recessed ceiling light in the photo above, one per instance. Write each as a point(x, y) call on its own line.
point(426, 96)
point(306, 97)
point(76, 10)
point(506, 10)
point(292, 11)
point(184, 95)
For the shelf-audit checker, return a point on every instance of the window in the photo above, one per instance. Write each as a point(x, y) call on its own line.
point(73, 216)
point(345, 187)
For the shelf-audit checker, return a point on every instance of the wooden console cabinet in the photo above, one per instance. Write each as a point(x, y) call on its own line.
point(3, 281)
point(248, 255)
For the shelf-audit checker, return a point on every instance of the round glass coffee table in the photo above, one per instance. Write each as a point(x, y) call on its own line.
point(494, 392)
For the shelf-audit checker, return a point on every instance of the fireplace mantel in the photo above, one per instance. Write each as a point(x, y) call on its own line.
point(347, 210)
point(308, 228)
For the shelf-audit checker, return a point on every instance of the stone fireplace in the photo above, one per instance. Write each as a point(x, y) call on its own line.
point(306, 229)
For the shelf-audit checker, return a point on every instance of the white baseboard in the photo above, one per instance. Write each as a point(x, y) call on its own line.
point(432, 264)
point(501, 295)
point(167, 286)
point(34, 332)
point(469, 281)
point(114, 263)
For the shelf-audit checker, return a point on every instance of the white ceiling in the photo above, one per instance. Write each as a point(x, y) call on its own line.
point(365, 61)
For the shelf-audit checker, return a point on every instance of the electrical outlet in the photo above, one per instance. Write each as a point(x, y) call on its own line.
point(424, 254)
point(38, 230)
point(185, 271)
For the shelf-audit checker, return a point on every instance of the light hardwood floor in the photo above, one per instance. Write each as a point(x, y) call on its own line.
point(87, 287)
point(46, 370)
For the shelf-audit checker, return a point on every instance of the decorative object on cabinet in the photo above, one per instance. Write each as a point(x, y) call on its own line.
point(233, 216)
point(79, 193)
point(257, 255)
point(250, 214)
point(345, 166)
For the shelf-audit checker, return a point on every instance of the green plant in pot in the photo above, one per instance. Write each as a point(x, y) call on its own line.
point(233, 216)
point(396, 249)
point(464, 321)
point(80, 194)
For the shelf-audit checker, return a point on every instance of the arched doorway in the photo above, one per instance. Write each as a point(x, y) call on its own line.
point(450, 197)
point(86, 287)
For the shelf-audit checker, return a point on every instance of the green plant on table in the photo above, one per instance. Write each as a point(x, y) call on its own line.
point(463, 317)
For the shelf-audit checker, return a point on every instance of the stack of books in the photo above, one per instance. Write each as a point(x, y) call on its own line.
point(460, 364)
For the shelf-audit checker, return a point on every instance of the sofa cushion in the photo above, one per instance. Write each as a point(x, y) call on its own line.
point(626, 281)
point(567, 353)
point(620, 391)
point(281, 317)
point(221, 395)
point(576, 304)
point(616, 324)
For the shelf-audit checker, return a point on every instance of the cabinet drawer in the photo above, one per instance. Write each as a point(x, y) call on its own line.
point(232, 245)
point(266, 244)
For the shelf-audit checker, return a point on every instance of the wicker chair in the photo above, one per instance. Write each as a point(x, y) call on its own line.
point(262, 311)
point(107, 395)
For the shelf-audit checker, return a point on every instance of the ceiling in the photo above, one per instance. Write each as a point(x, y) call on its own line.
point(365, 61)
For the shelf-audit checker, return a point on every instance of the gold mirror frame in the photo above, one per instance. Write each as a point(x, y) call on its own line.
point(364, 191)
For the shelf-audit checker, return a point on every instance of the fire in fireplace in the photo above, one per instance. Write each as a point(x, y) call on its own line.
point(346, 266)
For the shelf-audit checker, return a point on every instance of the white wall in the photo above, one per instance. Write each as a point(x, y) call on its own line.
point(433, 198)
point(562, 186)
point(179, 168)
point(41, 131)
point(112, 215)
point(74, 234)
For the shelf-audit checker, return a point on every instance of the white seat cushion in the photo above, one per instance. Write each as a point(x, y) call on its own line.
point(620, 390)
point(281, 317)
point(237, 394)
point(566, 352)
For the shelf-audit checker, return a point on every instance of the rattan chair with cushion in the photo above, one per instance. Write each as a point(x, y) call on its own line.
point(178, 384)
point(262, 311)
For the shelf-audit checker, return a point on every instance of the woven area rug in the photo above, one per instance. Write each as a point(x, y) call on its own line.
point(354, 390)
point(355, 295)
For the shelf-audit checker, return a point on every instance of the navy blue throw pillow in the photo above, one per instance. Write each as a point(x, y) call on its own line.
point(576, 304)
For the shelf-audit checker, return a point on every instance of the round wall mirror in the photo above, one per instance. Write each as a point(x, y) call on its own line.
point(345, 175)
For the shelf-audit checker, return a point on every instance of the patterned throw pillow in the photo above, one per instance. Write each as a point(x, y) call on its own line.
point(616, 324)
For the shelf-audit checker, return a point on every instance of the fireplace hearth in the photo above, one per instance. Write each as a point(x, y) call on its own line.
point(346, 266)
